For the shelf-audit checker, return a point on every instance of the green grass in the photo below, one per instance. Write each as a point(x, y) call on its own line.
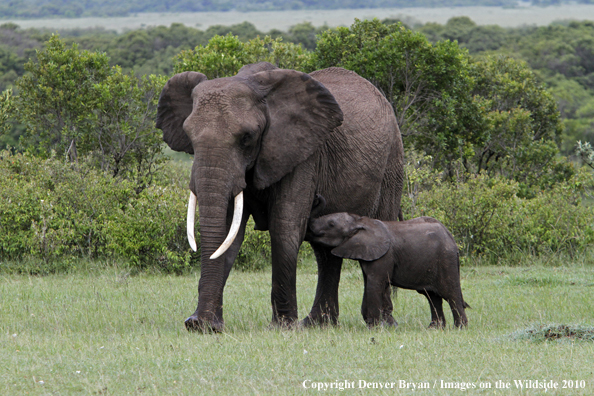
point(105, 332)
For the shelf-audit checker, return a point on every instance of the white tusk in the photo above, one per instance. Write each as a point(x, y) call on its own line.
point(190, 222)
point(237, 214)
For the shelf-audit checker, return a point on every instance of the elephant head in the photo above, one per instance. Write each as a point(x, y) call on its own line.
point(250, 129)
point(353, 237)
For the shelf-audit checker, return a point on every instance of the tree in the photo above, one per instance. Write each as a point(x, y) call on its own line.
point(74, 103)
point(523, 124)
point(427, 85)
point(57, 96)
point(223, 56)
point(6, 108)
point(586, 153)
point(305, 34)
point(244, 31)
point(490, 115)
point(125, 141)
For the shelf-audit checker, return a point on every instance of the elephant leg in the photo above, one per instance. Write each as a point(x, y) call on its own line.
point(387, 307)
point(325, 307)
point(285, 248)
point(289, 208)
point(374, 295)
point(364, 300)
point(436, 305)
point(193, 322)
point(458, 311)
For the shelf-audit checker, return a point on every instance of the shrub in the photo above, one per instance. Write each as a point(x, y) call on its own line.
point(55, 216)
point(477, 212)
point(487, 218)
point(73, 102)
point(150, 231)
point(255, 253)
point(53, 211)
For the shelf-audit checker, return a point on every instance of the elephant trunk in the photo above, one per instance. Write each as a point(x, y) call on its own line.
point(213, 229)
point(214, 191)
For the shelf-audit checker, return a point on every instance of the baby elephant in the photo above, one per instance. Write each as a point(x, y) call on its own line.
point(418, 254)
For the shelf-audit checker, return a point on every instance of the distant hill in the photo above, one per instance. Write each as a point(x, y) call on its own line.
point(88, 8)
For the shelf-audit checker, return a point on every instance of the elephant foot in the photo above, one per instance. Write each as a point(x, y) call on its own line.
point(437, 325)
point(319, 320)
point(461, 325)
point(387, 324)
point(194, 323)
point(389, 321)
point(284, 324)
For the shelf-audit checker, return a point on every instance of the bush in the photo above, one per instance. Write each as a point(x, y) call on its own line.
point(150, 231)
point(53, 211)
point(55, 216)
point(255, 253)
point(487, 218)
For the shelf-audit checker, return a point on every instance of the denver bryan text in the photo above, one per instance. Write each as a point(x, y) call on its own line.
point(362, 384)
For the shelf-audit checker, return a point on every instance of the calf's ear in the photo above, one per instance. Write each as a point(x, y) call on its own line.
point(370, 242)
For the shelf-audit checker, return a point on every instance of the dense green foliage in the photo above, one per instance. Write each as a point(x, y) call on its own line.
point(562, 55)
point(559, 53)
point(6, 108)
point(521, 126)
point(485, 125)
point(58, 95)
point(223, 56)
point(489, 219)
point(73, 102)
point(57, 213)
point(146, 51)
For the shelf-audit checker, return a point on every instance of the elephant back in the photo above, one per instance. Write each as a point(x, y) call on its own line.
point(365, 152)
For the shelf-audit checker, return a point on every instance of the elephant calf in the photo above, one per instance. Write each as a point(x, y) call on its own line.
point(418, 254)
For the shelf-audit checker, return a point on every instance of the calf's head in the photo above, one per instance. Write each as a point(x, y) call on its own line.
point(353, 237)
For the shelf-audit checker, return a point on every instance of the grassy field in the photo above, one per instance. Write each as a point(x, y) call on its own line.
point(265, 21)
point(104, 332)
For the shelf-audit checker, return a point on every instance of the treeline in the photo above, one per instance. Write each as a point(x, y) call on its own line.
point(481, 135)
point(561, 54)
point(107, 8)
point(103, 8)
point(144, 51)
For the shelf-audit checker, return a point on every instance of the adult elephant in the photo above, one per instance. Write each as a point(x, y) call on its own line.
point(265, 142)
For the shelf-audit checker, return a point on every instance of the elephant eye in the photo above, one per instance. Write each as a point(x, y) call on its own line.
point(331, 224)
point(246, 139)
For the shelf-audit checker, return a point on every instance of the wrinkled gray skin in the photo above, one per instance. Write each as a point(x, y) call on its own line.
point(418, 254)
point(281, 136)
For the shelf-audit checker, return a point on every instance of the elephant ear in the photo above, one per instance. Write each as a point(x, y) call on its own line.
point(370, 242)
point(175, 105)
point(301, 115)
